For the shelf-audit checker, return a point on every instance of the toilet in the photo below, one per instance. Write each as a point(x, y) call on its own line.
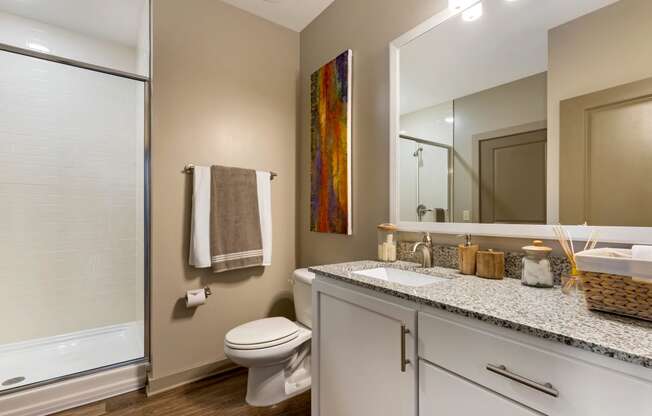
point(276, 350)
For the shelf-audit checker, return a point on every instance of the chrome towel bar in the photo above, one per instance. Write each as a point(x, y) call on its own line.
point(190, 167)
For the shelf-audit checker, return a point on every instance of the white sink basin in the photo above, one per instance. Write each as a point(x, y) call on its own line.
point(403, 277)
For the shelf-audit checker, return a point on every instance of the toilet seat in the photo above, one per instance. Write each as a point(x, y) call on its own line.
point(269, 356)
point(262, 333)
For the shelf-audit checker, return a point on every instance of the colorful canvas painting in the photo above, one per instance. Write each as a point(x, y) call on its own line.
point(330, 170)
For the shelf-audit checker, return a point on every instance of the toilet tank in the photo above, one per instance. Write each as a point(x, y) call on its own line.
point(303, 296)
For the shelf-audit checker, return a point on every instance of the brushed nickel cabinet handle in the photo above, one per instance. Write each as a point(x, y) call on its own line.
point(501, 370)
point(404, 361)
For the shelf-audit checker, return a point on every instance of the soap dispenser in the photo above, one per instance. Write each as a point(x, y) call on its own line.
point(466, 255)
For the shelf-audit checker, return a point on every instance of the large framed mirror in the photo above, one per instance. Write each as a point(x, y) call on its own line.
point(510, 116)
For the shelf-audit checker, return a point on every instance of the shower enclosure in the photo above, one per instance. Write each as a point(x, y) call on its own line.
point(74, 114)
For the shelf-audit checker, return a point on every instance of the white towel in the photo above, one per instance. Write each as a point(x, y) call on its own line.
point(264, 187)
point(200, 242)
point(642, 252)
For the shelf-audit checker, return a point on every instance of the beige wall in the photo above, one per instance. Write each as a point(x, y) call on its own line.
point(366, 27)
point(224, 92)
point(604, 49)
point(509, 105)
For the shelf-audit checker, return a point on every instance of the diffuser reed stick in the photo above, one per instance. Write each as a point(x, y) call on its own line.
point(568, 247)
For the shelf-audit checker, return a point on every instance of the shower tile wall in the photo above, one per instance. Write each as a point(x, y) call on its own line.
point(71, 186)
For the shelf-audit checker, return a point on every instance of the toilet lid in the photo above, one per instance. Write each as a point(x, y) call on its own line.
point(262, 333)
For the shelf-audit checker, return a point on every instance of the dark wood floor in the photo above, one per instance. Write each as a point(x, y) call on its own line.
point(220, 395)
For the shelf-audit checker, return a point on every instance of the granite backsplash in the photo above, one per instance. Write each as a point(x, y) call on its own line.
point(446, 256)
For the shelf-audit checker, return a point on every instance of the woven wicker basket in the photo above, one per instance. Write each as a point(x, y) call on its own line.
point(617, 294)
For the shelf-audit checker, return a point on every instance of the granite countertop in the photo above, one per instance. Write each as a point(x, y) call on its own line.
point(545, 313)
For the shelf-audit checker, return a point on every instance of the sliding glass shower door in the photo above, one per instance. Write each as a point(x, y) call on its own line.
point(73, 214)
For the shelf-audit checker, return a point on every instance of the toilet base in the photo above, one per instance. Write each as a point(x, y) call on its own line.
point(267, 386)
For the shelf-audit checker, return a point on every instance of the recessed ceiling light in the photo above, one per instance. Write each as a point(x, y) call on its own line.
point(450, 120)
point(402, 132)
point(38, 47)
point(473, 13)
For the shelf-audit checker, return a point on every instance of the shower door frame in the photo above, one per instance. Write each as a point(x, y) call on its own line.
point(146, 80)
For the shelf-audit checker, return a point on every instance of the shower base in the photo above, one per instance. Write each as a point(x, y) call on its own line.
point(44, 359)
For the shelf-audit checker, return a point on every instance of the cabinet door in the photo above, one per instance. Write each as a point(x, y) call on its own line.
point(357, 347)
point(444, 394)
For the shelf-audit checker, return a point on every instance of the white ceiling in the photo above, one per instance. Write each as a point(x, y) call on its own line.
point(114, 20)
point(458, 58)
point(293, 14)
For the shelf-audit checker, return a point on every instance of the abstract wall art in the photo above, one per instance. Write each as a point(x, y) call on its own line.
point(330, 145)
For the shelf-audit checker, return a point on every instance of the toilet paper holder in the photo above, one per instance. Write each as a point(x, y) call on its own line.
point(207, 292)
point(197, 297)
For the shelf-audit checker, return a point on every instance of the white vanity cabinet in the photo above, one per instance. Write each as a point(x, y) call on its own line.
point(375, 354)
point(364, 353)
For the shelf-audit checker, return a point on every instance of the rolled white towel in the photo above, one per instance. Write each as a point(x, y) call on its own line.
point(642, 252)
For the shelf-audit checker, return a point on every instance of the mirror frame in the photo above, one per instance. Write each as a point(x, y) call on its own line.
point(612, 234)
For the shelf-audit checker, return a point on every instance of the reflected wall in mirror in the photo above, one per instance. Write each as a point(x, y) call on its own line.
point(533, 112)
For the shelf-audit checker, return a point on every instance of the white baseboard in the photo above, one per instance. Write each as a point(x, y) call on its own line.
point(48, 399)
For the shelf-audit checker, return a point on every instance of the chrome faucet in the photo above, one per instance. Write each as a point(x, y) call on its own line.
point(425, 246)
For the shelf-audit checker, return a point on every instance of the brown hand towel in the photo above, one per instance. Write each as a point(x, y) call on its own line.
point(236, 240)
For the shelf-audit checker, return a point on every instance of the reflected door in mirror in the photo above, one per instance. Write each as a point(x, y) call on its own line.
point(513, 178)
point(606, 151)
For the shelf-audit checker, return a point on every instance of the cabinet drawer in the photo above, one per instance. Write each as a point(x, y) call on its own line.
point(444, 394)
point(583, 389)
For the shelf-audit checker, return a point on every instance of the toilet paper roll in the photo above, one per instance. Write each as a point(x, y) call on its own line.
point(195, 298)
